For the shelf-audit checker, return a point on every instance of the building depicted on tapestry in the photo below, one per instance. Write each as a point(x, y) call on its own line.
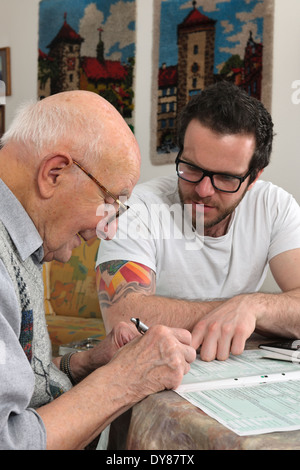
point(63, 68)
point(195, 71)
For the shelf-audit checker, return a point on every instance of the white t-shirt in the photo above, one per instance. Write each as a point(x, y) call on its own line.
point(190, 266)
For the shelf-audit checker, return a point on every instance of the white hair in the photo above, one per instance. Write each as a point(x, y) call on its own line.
point(40, 125)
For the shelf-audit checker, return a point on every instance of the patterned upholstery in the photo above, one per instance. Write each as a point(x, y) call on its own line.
point(71, 301)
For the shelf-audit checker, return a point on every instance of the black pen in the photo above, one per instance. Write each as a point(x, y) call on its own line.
point(141, 327)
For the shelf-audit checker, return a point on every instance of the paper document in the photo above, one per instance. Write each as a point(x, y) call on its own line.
point(248, 394)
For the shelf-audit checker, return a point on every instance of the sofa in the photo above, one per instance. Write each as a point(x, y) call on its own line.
point(71, 300)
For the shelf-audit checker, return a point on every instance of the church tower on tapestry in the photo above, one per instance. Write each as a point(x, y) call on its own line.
point(65, 51)
point(196, 44)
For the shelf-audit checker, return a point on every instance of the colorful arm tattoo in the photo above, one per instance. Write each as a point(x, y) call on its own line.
point(115, 279)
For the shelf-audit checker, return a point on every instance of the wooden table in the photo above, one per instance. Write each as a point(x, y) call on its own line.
point(166, 421)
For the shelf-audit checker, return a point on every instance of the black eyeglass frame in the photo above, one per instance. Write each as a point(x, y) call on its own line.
point(210, 174)
point(122, 206)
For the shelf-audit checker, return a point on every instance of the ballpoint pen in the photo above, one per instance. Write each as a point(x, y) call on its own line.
point(141, 327)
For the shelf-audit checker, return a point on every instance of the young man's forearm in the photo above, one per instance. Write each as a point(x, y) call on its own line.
point(153, 309)
point(127, 289)
point(279, 314)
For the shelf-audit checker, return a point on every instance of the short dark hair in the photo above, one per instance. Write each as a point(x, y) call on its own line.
point(227, 109)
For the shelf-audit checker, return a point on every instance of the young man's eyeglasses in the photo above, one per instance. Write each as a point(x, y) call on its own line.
point(220, 181)
point(122, 207)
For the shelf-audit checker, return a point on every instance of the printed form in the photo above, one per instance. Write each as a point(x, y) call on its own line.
point(248, 394)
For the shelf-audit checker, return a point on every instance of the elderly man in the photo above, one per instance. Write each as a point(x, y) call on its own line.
point(49, 201)
point(207, 279)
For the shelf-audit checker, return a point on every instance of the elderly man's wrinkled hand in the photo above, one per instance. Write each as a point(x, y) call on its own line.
point(155, 361)
point(120, 335)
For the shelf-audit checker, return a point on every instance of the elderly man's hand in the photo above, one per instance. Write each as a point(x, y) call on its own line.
point(226, 328)
point(120, 335)
point(145, 363)
point(154, 362)
point(86, 362)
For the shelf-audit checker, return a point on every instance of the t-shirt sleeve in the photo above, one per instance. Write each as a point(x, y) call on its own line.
point(21, 427)
point(286, 224)
point(133, 240)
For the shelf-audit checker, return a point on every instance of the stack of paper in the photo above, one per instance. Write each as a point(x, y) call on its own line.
point(248, 394)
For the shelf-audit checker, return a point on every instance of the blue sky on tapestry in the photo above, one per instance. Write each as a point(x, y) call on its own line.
point(234, 20)
point(105, 13)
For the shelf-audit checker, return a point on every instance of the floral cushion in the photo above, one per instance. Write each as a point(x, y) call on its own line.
point(73, 284)
point(71, 300)
point(63, 330)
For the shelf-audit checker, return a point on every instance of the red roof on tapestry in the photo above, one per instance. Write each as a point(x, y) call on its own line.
point(44, 56)
point(167, 76)
point(66, 34)
point(109, 69)
point(195, 17)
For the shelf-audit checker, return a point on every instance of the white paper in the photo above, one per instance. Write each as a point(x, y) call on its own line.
point(248, 394)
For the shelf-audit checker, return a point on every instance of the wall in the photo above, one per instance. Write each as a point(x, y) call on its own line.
point(19, 30)
point(284, 169)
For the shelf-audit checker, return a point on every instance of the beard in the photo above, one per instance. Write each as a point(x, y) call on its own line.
point(207, 226)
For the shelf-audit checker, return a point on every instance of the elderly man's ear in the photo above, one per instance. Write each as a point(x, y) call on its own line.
point(50, 173)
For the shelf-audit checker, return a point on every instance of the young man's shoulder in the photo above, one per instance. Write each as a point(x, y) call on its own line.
point(266, 189)
point(158, 189)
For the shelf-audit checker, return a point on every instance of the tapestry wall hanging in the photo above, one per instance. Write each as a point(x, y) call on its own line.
point(197, 43)
point(88, 46)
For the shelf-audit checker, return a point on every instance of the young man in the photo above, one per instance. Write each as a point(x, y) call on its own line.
point(206, 276)
point(62, 159)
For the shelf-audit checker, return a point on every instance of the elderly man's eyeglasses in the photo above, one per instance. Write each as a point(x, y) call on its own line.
point(121, 207)
point(220, 181)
